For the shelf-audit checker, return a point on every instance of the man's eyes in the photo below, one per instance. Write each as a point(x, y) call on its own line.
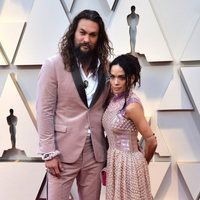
point(91, 35)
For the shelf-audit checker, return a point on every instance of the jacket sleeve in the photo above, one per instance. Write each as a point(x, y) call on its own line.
point(45, 106)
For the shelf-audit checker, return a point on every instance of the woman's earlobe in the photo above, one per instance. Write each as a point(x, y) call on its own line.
point(132, 79)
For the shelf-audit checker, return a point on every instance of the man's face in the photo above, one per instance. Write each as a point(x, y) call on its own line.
point(86, 36)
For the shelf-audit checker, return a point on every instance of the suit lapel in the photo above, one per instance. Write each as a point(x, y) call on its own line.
point(100, 87)
point(79, 84)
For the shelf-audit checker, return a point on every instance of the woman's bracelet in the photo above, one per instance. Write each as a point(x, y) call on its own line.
point(150, 137)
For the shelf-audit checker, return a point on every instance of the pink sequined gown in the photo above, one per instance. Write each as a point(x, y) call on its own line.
point(127, 169)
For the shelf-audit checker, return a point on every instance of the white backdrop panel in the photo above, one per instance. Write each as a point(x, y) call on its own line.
point(45, 26)
point(149, 38)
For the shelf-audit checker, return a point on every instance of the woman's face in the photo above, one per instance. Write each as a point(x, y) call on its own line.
point(117, 79)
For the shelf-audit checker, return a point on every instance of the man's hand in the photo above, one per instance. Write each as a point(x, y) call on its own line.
point(54, 166)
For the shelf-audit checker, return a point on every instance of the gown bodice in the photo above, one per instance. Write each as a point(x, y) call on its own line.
point(122, 133)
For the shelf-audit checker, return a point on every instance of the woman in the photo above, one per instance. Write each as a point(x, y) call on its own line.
point(127, 163)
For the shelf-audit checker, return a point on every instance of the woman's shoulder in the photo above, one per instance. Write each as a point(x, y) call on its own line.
point(133, 98)
point(134, 105)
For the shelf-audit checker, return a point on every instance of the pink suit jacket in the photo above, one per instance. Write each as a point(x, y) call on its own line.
point(63, 117)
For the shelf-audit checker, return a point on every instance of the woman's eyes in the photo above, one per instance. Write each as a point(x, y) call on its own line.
point(121, 77)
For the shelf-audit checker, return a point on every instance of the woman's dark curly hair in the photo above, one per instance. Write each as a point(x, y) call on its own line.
point(66, 45)
point(131, 67)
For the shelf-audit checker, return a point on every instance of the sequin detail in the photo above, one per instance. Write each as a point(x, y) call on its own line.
point(127, 169)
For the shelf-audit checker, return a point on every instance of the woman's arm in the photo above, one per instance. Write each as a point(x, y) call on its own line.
point(134, 112)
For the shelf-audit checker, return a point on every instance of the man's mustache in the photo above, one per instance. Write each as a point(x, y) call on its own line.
point(85, 44)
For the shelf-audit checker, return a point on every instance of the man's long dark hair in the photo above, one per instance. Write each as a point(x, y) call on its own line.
point(66, 45)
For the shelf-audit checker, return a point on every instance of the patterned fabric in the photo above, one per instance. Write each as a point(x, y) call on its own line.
point(127, 169)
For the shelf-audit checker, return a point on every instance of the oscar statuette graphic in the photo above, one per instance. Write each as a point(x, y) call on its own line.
point(13, 153)
point(133, 20)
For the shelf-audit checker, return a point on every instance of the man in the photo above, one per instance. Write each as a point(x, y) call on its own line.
point(71, 92)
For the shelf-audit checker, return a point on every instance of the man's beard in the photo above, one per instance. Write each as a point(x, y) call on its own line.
point(84, 57)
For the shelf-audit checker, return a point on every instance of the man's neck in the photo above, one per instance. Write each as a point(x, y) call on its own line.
point(85, 68)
